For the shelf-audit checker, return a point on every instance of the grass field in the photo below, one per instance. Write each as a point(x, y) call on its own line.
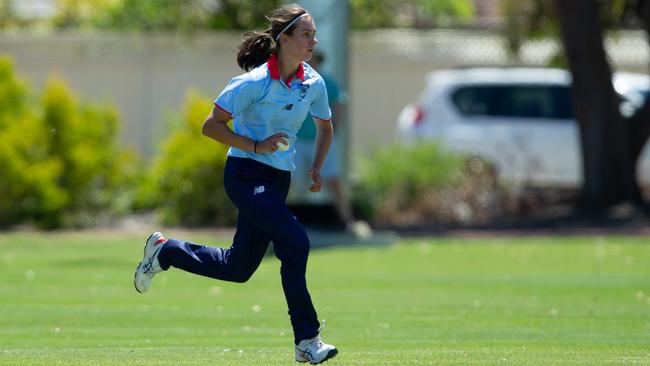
point(68, 299)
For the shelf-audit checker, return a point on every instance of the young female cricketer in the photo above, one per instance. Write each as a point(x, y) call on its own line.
point(268, 105)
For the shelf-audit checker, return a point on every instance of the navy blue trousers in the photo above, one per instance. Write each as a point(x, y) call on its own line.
point(259, 192)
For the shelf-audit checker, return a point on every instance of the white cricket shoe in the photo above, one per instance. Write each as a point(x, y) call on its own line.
point(314, 351)
point(149, 265)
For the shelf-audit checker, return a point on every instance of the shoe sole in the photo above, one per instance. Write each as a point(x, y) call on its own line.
point(331, 354)
point(144, 252)
point(135, 274)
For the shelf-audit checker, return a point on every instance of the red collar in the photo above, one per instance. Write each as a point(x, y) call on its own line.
point(274, 70)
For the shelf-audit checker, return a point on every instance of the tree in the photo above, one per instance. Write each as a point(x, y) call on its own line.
point(611, 143)
point(172, 15)
point(410, 13)
point(242, 14)
point(60, 157)
point(156, 15)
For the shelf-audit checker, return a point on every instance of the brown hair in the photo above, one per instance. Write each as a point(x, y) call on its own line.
point(257, 47)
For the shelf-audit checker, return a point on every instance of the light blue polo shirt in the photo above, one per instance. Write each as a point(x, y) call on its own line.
point(262, 105)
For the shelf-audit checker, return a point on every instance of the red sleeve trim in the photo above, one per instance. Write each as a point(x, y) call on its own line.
point(223, 109)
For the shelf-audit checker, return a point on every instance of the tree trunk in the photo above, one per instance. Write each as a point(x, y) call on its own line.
point(608, 170)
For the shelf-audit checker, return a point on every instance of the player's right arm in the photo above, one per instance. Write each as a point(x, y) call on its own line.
point(216, 127)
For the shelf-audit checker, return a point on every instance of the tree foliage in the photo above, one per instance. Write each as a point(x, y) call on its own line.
point(151, 15)
point(59, 157)
point(534, 19)
point(186, 179)
point(410, 13)
point(183, 15)
point(189, 15)
point(242, 14)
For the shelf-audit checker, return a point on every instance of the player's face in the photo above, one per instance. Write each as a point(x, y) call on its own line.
point(302, 42)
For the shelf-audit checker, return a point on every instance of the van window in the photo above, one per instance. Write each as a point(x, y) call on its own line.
point(527, 101)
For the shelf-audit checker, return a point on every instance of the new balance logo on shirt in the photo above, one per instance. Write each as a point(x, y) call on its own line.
point(258, 190)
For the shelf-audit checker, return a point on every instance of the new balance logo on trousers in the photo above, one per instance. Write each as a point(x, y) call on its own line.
point(258, 190)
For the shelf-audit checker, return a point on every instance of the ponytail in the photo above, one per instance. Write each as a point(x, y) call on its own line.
point(255, 49)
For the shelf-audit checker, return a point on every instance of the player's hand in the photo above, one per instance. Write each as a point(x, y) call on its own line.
point(317, 180)
point(270, 144)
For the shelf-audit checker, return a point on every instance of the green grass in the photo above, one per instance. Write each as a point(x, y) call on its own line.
point(68, 299)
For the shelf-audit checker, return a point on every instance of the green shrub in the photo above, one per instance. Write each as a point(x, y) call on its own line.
point(84, 138)
point(187, 175)
point(28, 181)
point(403, 174)
point(13, 94)
point(60, 158)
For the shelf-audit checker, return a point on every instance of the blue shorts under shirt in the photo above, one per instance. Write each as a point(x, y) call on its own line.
point(262, 105)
